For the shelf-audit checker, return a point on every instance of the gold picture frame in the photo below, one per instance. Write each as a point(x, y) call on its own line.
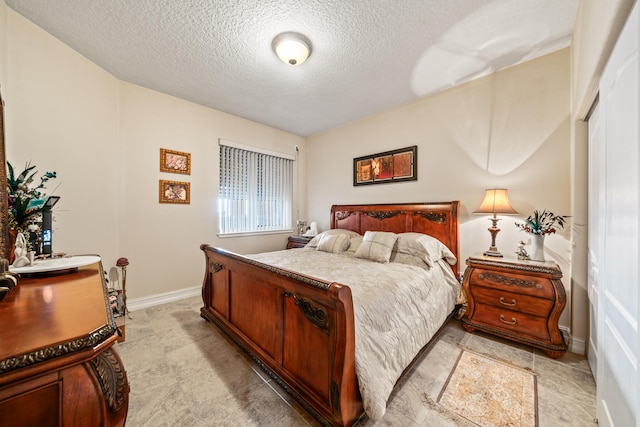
point(390, 166)
point(174, 192)
point(175, 161)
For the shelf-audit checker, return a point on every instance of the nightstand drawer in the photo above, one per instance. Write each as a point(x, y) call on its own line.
point(526, 285)
point(512, 301)
point(518, 322)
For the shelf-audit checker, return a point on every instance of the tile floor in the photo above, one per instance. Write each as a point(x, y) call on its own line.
point(184, 372)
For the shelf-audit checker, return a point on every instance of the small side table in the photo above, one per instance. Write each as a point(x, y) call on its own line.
point(296, 242)
point(515, 299)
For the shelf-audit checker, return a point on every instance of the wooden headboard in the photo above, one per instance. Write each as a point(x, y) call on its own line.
point(439, 220)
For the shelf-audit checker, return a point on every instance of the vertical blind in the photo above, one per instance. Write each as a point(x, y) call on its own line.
point(255, 191)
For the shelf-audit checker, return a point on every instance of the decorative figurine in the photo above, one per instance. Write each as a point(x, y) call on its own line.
point(23, 258)
point(522, 252)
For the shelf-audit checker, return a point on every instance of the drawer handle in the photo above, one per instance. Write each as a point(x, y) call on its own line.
point(510, 304)
point(513, 320)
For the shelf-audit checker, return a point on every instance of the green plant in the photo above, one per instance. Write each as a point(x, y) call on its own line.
point(25, 200)
point(542, 223)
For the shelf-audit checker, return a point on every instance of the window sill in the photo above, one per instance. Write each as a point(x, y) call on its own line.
point(254, 233)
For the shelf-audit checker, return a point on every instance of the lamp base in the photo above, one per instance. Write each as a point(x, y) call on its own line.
point(492, 252)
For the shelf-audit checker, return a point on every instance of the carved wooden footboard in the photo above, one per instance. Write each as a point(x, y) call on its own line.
point(299, 329)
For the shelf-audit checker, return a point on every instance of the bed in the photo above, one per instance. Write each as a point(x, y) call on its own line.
point(299, 320)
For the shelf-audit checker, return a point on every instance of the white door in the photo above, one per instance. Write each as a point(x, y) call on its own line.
point(618, 382)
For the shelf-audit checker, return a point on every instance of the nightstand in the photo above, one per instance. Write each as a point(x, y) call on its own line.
point(295, 242)
point(515, 299)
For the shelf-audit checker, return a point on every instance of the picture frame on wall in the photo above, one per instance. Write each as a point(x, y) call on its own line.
point(175, 161)
point(390, 166)
point(174, 192)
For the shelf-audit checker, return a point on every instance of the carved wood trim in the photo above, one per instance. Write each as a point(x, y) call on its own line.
point(214, 267)
point(510, 281)
point(112, 379)
point(528, 267)
point(343, 215)
point(317, 316)
point(58, 350)
point(438, 218)
point(382, 215)
point(562, 296)
point(501, 332)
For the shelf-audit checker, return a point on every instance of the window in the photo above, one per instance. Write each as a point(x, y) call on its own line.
point(256, 189)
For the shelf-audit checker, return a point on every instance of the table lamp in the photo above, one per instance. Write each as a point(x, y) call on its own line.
point(496, 201)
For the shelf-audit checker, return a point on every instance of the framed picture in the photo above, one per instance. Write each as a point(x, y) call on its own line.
point(175, 161)
point(390, 166)
point(175, 192)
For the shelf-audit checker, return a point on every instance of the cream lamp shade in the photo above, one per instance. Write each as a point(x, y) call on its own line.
point(292, 48)
point(496, 201)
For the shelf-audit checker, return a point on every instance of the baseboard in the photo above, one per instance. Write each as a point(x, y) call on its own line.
point(575, 345)
point(604, 416)
point(158, 299)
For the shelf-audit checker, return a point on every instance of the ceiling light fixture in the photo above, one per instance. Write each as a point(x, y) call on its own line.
point(292, 48)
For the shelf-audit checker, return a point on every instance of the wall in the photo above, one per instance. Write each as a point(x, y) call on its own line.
point(598, 24)
point(507, 130)
point(62, 115)
point(162, 241)
point(103, 138)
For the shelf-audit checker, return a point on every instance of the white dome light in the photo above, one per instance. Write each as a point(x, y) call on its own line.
point(292, 48)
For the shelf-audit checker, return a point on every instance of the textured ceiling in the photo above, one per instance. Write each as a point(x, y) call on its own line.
point(368, 55)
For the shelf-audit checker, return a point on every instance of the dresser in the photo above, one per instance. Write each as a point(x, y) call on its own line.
point(516, 299)
point(58, 364)
point(295, 242)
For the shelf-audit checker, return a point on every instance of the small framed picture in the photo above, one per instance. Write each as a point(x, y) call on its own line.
point(390, 166)
point(175, 161)
point(175, 192)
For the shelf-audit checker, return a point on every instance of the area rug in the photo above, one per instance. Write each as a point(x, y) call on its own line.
point(490, 393)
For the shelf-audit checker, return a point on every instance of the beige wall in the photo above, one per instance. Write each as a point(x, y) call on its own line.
point(165, 239)
point(507, 130)
point(103, 138)
point(598, 24)
point(61, 115)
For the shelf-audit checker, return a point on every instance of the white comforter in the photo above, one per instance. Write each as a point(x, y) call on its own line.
point(397, 309)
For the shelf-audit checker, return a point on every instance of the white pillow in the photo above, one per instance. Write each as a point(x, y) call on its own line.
point(334, 243)
point(376, 246)
point(313, 243)
point(424, 247)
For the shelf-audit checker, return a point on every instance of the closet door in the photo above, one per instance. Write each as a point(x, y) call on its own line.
point(618, 296)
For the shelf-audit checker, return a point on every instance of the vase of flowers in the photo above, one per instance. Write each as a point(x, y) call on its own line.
point(25, 202)
point(539, 225)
